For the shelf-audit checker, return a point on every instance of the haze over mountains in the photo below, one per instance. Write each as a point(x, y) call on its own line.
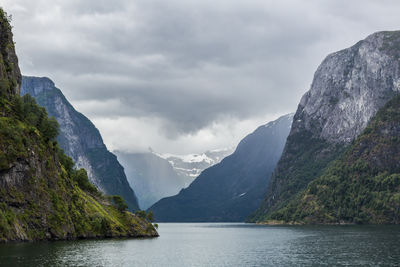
point(232, 189)
point(155, 176)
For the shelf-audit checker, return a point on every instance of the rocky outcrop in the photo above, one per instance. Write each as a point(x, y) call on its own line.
point(348, 88)
point(231, 190)
point(81, 140)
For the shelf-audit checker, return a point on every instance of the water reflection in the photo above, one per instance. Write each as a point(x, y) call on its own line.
point(221, 245)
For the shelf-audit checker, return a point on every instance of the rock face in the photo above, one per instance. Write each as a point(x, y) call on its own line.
point(81, 140)
point(362, 186)
point(152, 177)
point(348, 88)
point(41, 196)
point(232, 189)
point(10, 79)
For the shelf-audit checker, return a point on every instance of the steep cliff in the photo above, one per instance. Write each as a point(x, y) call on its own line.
point(41, 195)
point(362, 186)
point(348, 88)
point(232, 189)
point(10, 75)
point(81, 140)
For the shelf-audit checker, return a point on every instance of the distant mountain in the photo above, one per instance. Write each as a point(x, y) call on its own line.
point(191, 165)
point(152, 177)
point(155, 176)
point(81, 140)
point(348, 89)
point(231, 189)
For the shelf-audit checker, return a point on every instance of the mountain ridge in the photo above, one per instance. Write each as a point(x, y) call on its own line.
point(231, 189)
point(81, 140)
point(348, 88)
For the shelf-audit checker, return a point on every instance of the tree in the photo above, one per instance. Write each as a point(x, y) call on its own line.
point(120, 203)
point(150, 216)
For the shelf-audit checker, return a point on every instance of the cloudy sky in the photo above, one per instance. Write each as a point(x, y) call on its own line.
point(185, 76)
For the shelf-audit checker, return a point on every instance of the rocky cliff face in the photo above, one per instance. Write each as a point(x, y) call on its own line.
point(362, 186)
point(81, 140)
point(10, 78)
point(232, 189)
point(348, 88)
point(42, 196)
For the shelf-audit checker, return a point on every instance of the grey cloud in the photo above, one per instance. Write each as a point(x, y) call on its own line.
point(189, 63)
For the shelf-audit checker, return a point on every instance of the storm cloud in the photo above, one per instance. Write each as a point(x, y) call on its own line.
point(186, 76)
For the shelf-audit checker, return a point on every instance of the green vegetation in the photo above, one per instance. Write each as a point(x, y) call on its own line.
point(8, 77)
point(119, 203)
point(81, 177)
point(362, 186)
point(148, 217)
point(56, 201)
point(42, 196)
point(305, 161)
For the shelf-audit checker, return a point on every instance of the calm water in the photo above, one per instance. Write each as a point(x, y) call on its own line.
point(222, 245)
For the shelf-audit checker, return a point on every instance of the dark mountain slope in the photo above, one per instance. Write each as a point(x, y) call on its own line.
point(348, 88)
point(230, 190)
point(81, 140)
point(363, 186)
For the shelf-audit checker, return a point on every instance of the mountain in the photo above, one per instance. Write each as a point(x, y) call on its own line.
point(362, 186)
point(81, 140)
point(155, 176)
point(348, 88)
point(231, 189)
point(191, 165)
point(42, 197)
point(152, 177)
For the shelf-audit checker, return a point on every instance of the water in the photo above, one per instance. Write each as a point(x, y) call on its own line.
point(216, 244)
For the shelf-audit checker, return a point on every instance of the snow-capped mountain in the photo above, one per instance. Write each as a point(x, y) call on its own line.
point(230, 190)
point(156, 176)
point(191, 165)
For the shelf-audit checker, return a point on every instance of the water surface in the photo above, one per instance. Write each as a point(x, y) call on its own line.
point(221, 244)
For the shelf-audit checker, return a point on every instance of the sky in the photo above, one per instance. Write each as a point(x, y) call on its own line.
point(186, 76)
